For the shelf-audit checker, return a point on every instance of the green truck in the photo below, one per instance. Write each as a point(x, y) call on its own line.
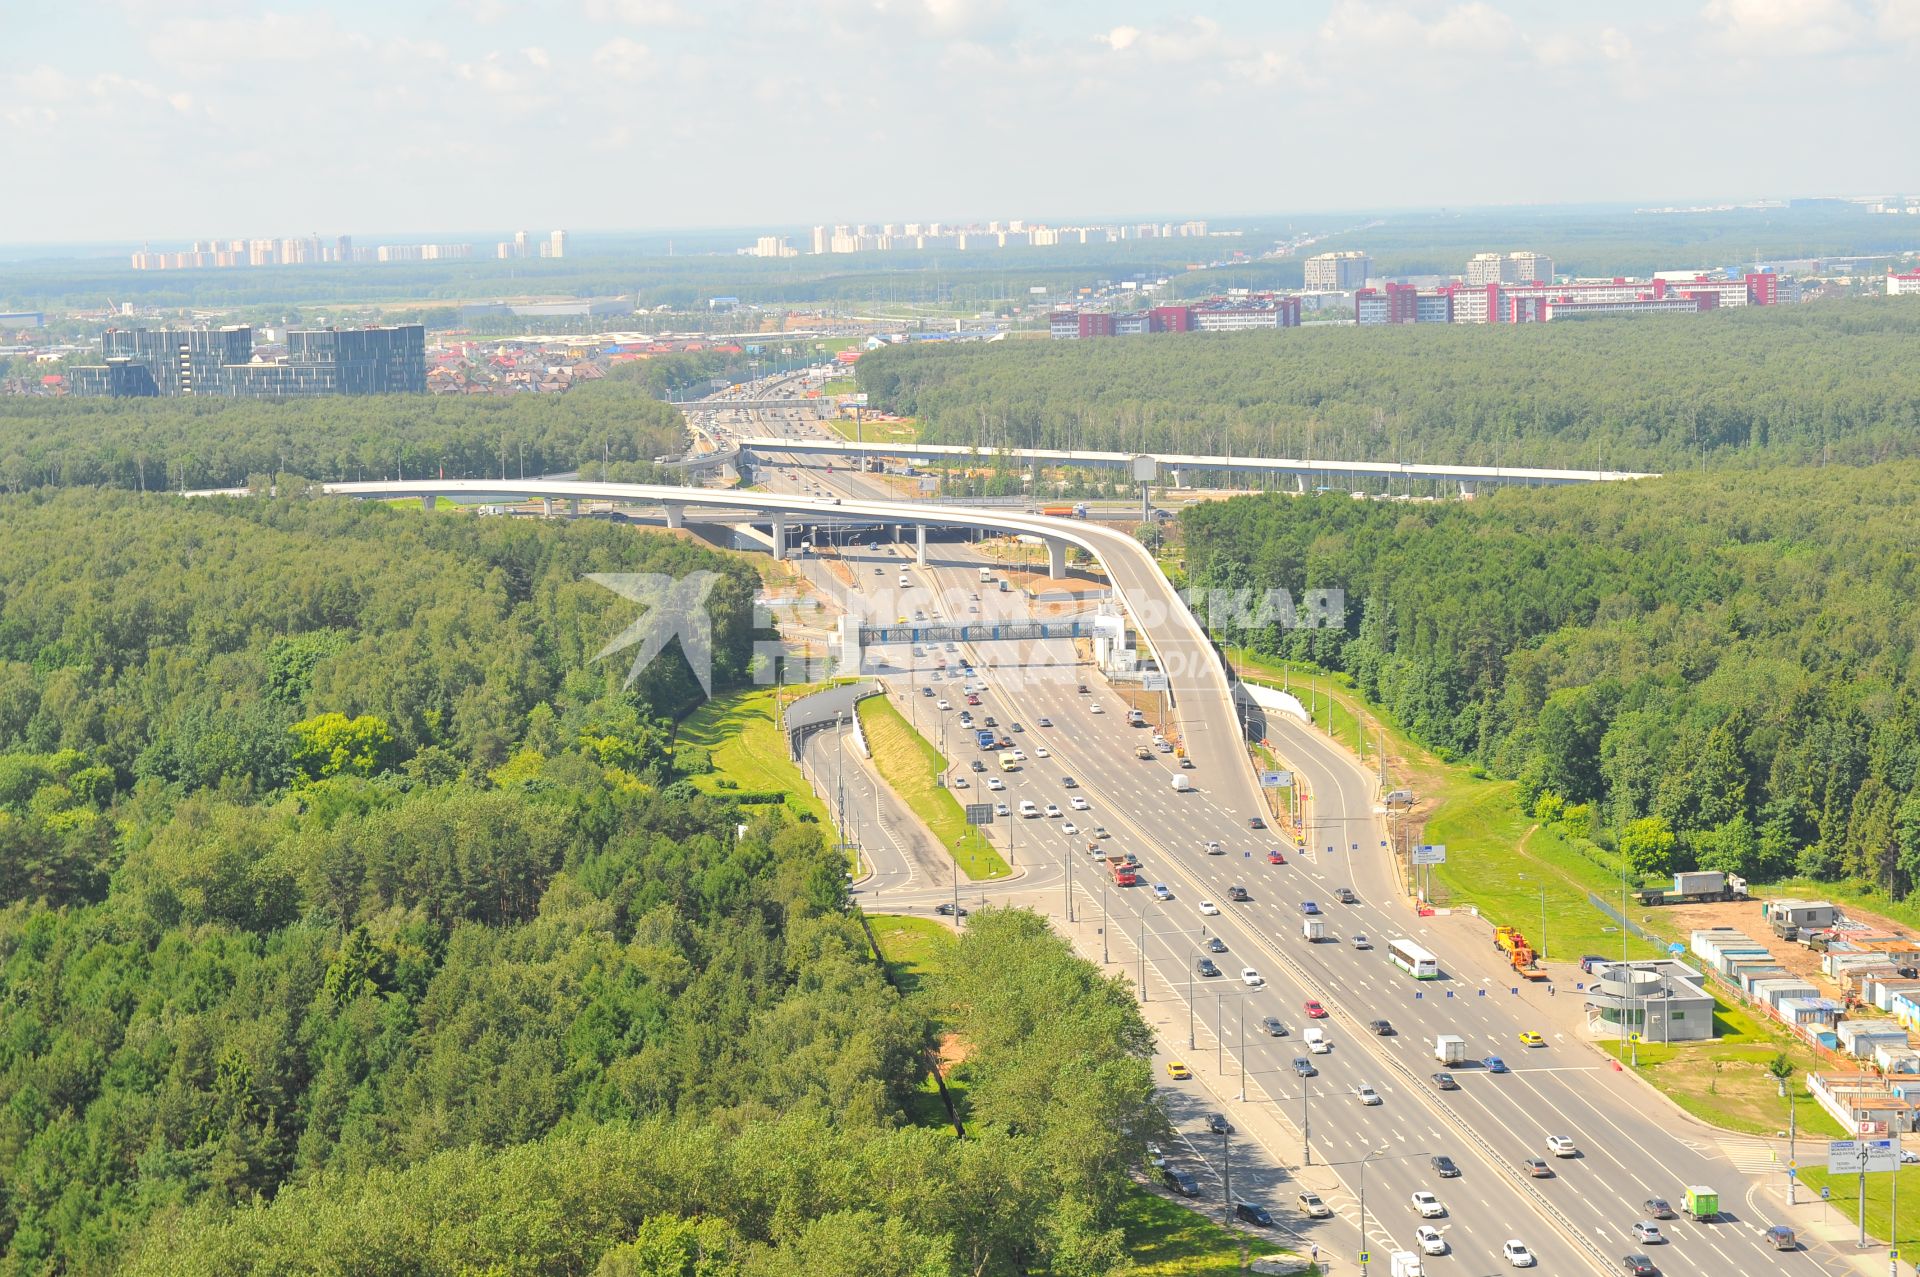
point(1701, 1204)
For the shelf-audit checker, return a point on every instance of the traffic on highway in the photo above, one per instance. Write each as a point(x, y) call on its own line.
point(1402, 1084)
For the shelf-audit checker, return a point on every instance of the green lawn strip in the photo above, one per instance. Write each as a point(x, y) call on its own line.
point(912, 948)
point(878, 432)
point(737, 730)
point(1166, 1239)
point(910, 764)
point(1499, 859)
point(1846, 1198)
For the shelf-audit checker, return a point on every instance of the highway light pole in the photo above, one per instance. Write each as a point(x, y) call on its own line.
point(1306, 1127)
point(1104, 955)
point(1371, 1154)
point(1243, 1050)
point(1192, 962)
point(1793, 1113)
point(1141, 952)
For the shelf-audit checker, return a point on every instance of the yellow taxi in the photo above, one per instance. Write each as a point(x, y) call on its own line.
point(1530, 1038)
point(1177, 1070)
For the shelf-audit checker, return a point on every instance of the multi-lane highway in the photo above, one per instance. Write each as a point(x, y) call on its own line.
point(1633, 1145)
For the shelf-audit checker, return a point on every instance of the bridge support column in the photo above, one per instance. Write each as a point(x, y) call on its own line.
point(1056, 559)
point(920, 544)
point(779, 536)
point(573, 506)
point(428, 503)
point(676, 515)
point(546, 506)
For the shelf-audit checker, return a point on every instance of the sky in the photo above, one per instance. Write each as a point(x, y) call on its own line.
point(131, 120)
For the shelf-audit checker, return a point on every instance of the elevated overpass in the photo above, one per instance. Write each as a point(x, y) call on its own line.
point(1321, 472)
point(1196, 678)
point(818, 407)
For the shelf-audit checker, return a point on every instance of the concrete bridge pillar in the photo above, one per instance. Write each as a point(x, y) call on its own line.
point(920, 544)
point(676, 515)
point(428, 503)
point(573, 506)
point(546, 506)
point(779, 535)
point(1056, 559)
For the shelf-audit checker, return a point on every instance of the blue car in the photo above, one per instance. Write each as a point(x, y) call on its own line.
point(1494, 1064)
point(1309, 908)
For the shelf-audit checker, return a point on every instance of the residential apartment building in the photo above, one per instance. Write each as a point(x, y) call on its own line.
point(1508, 268)
point(219, 363)
point(1337, 272)
point(1211, 315)
point(1899, 285)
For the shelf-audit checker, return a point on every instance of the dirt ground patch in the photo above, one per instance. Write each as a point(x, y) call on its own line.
point(1744, 916)
point(953, 1050)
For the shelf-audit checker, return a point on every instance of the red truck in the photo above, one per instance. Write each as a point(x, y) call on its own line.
point(1123, 873)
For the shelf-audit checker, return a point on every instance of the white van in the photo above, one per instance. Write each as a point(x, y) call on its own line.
point(1181, 785)
point(1316, 1039)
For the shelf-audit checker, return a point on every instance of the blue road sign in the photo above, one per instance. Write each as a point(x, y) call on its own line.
point(1825, 1192)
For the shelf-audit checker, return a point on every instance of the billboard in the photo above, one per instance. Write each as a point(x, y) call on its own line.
point(1275, 780)
point(1850, 1157)
point(1430, 854)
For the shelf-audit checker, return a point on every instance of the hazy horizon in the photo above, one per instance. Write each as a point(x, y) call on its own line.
point(217, 118)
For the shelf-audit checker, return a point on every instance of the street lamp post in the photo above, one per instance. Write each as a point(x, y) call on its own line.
point(1371, 1154)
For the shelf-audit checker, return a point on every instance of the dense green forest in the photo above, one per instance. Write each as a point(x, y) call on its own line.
point(1704, 669)
point(1825, 382)
point(175, 444)
point(352, 917)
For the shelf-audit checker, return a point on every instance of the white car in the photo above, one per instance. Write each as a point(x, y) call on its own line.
point(1209, 908)
point(1366, 1095)
point(1095, 708)
point(1070, 829)
point(943, 703)
point(1428, 1205)
point(960, 782)
point(1430, 1240)
point(1100, 831)
point(1160, 891)
point(1517, 1253)
point(1019, 755)
point(1251, 978)
point(1053, 811)
point(1561, 1146)
point(994, 782)
point(999, 809)
point(1078, 803)
point(1041, 752)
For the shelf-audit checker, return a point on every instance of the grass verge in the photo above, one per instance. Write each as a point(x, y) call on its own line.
point(1165, 1239)
point(872, 431)
point(911, 765)
point(912, 948)
point(739, 735)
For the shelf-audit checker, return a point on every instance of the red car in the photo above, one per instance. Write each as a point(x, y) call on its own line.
point(1315, 1011)
point(1275, 858)
point(972, 699)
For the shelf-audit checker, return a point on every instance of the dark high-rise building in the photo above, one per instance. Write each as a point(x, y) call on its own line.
point(218, 363)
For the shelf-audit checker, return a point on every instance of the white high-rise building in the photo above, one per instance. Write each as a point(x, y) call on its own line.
point(819, 239)
point(558, 242)
point(519, 243)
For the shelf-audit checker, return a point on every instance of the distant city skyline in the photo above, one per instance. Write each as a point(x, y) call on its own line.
point(149, 122)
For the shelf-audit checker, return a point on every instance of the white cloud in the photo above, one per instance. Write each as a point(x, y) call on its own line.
point(621, 58)
point(538, 56)
point(640, 13)
point(251, 40)
point(1121, 38)
point(1477, 27)
point(1785, 28)
point(492, 74)
point(1897, 20)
